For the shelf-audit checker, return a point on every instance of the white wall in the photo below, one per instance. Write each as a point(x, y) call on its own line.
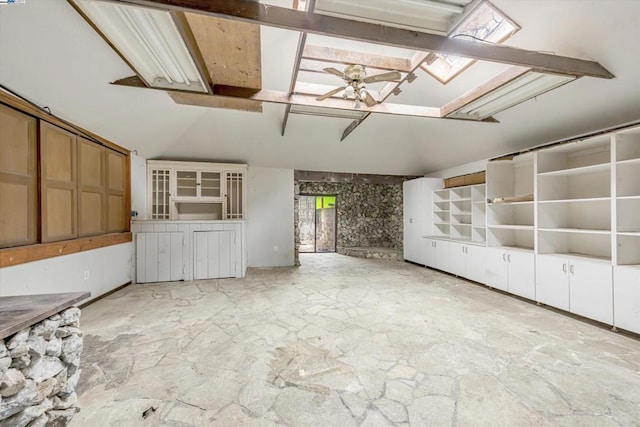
point(270, 217)
point(464, 169)
point(139, 186)
point(108, 268)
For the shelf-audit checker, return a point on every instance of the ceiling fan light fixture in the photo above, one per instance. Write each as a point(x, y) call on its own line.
point(349, 91)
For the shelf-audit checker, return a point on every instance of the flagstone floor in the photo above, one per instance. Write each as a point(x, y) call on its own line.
point(346, 341)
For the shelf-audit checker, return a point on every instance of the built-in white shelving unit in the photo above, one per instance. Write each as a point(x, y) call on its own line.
point(510, 204)
point(460, 213)
point(559, 225)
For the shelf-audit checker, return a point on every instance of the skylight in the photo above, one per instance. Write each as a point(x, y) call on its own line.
point(485, 24)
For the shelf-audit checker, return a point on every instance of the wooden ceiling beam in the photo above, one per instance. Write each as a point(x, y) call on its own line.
point(286, 18)
point(302, 41)
point(279, 97)
point(342, 56)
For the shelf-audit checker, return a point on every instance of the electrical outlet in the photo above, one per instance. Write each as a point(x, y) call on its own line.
point(86, 275)
point(275, 249)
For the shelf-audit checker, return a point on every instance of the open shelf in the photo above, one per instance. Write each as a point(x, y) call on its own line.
point(578, 157)
point(628, 249)
point(579, 170)
point(628, 215)
point(512, 227)
point(595, 185)
point(590, 215)
point(628, 146)
point(592, 199)
point(628, 180)
point(510, 237)
point(576, 230)
point(589, 243)
point(529, 202)
point(629, 162)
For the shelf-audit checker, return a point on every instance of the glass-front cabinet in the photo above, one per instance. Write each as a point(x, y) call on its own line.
point(190, 190)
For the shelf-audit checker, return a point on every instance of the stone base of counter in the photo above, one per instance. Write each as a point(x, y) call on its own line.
point(388, 254)
point(39, 372)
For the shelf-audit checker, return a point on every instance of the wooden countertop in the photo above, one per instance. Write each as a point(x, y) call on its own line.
point(18, 312)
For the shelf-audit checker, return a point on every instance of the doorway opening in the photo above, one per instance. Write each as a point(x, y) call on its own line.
point(318, 220)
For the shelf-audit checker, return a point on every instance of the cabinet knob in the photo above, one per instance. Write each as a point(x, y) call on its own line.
point(571, 269)
point(564, 267)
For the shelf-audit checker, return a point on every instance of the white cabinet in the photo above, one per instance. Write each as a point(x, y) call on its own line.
point(467, 261)
point(626, 298)
point(437, 254)
point(189, 250)
point(417, 194)
point(512, 271)
point(196, 190)
point(159, 257)
point(581, 286)
point(214, 254)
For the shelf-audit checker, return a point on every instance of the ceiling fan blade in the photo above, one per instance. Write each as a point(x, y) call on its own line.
point(368, 100)
point(335, 72)
point(330, 93)
point(384, 77)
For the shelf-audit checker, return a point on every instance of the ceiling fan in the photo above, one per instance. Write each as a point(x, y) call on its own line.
point(355, 77)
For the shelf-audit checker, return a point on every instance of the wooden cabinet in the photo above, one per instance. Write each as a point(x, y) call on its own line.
point(18, 178)
point(581, 286)
point(512, 271)
point(626, 298)
point(58, 183)
point(196, 190)
point(417, 196)
point(117, 201)
point(91, 188)
point(189, 250)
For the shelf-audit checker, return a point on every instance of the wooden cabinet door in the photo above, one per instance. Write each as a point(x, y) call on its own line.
point(117, 172)
point(91, 188)
point(591, 290)
point(521, 274)
point(58, 183)
point(18, 178)
point(552, 281)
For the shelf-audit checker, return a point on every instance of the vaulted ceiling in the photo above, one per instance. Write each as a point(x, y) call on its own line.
point(50, 55)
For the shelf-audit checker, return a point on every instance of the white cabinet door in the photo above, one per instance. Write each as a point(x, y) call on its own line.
point(214, 254)
point(521, 274)
point(591, 290)
point(476, 263)
point(159, 257)
point(457, 259)
point(552, 281)
point(496, 269)
point(428, 252)
point(626, 298)
point(442, 255)
point(412, 208)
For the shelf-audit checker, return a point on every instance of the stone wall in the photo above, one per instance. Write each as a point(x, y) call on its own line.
point(39, 371)
point(368, 214)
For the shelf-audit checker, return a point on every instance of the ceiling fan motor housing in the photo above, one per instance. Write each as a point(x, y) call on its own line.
point(354, 72)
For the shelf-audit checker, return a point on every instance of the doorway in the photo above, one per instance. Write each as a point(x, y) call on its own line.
point(318, 219)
